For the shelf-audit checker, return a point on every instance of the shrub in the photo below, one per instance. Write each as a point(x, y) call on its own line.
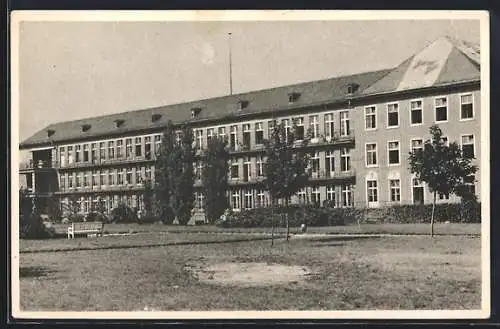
point(32, 227)
point(148, 219)
point(124, 214)
point(96, 217)
point(76, 218)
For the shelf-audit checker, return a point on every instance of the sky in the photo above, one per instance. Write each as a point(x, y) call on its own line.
point(73, 70)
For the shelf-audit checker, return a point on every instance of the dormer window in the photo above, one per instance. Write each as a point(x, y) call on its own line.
point(50, 132)
point(155, 117)
point(243, 104)
point(195, 111)
point(86, 127)
point(293, 97)
point(119, 123)
point(351, 88)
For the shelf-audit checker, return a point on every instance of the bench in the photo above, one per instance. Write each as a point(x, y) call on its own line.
point(85, 228)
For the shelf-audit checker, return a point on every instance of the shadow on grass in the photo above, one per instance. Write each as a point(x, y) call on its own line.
point(321, 241)
point(34, 272)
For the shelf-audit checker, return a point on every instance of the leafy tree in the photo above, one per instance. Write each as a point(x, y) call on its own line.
point(214, 178)
point(162, 174)
point(149, 198)
point(286, 166)
point(443, 168)
point(71, 209)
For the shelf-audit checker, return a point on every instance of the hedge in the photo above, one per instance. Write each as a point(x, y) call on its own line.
point(329, 216)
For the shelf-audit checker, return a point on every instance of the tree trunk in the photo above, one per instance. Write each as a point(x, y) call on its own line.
point(432, 214)
point(286, 219)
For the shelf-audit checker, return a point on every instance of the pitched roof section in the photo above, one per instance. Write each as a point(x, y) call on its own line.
point(266, 100)
point(444, 61)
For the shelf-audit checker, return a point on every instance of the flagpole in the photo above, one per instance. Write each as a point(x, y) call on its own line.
point(230, 67)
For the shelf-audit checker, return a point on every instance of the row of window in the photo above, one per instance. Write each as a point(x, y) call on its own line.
point(88, 204)
point(394, 150)
point(111, 177)
point(417, 114)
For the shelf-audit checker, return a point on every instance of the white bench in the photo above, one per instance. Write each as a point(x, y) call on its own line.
point(85, 228)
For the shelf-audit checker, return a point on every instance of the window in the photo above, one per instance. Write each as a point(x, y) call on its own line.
point(441, 108)
point(301, 195)
point(235, 200)
point(234, 169)
point(329, 126)
point(347, 199)
point(210, 135)
point(395, 190)
point(120, 177)
point(316, 196)
point(199, 139)
point(119, 148)
point(344, 124)
point(233, 139)
point(315, 164)
point(270, 128)
point(345, 159)
point(445, 140)
point(392, 115)
point(260, 166)
point(372, 190)
point(71, 180)
point(138, 175)
point(248, 199)
point(138, 146)
point(86, 179)
point(314, 126)
point(246, 136)
point(111, 149)
point(299, 122)
point(417, 144)
point(442, 196)
point(466, 107)
point(102, 150)
point(102, 178)
point(95, 178)
point(371, 154)
point(78, 153)
point(111, 177)
point(261, 198)
point(147, 147)
point(222, 133)
point(200, 199)
point(128, 148)
point(417, 191)
point(70, 154)
point(286, 124)
point(148, 173)
point(330, 163)
point(393, 150)
point(62, 159)
point(468, 146)
point(247, 170)
point(62, 182)
point(129, 176)
point(198, 170)
point(416, 112)
point(94, 153)
point(370, 118)
point(259, 133)
point(330, 194)
point(86, 153)
point(157, 144)
point(79, 180)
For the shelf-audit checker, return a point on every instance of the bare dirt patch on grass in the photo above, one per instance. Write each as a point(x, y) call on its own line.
point(247, 274)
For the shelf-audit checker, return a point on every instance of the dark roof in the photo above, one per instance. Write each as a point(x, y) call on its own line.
point(265, 100)
point(444, 61)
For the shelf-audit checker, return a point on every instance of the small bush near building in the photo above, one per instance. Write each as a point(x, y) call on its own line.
point(96, 217)
point(33, 227)
point(124, 214)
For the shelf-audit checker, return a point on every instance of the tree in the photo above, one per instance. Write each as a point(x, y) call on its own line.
point(71, 209)
point(162, 174)
point(286, 166)
point(148, 197)
point(214, 177)
point(443, 168)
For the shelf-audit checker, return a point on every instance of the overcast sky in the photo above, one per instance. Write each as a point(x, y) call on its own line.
point(72, 70)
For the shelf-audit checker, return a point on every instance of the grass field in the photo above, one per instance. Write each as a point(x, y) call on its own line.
point(349, 273)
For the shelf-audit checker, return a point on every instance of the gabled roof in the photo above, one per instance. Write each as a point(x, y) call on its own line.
point(266, 100)
point(444, 61)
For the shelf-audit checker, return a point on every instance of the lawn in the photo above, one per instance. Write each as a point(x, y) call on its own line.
point(348, 273)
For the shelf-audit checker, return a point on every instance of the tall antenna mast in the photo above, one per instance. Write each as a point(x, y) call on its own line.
point(230, 67)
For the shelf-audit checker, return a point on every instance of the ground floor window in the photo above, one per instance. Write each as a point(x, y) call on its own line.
point(417, 191)
point(235, 200)
point(316, 196)
point(302, 195)
point(372, 191)
point(330, 195)
point(347, 197)
point(395, 190)
point(248, 199)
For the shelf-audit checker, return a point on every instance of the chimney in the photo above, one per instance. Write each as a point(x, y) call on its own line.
point(155, 117)
point(119, 123)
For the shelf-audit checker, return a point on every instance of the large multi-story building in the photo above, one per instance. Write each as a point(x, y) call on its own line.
point(363, 127)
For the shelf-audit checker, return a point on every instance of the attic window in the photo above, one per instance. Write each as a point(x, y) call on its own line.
point(86, 127)
point(50, 132)
point(155, 117)
point(243, 104)
point(195, 111)
point(351, 88)
point(293, 97)
point(119, 123)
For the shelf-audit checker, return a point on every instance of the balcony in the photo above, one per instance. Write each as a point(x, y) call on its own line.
point(333, 175)
point(101, 189)
point(104, 163)
point(35, 165)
